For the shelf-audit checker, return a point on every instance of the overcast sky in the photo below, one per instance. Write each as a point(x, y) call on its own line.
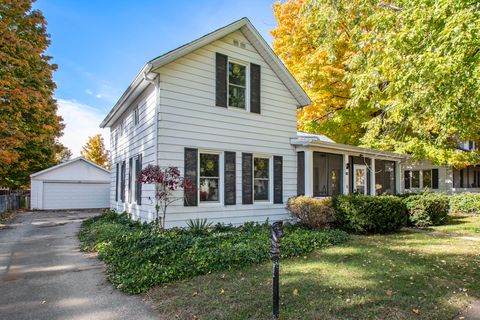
point(100, 46)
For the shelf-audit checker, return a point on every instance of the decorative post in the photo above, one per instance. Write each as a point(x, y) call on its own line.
point(276, 235)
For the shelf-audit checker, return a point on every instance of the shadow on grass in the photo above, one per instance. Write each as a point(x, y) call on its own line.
point(403, 276)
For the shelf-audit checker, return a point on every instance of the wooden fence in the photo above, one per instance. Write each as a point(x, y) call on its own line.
point(14, 200)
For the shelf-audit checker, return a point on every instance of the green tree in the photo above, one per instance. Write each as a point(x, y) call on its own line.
point(411, 69)
point(95, 151)
point(29, 125)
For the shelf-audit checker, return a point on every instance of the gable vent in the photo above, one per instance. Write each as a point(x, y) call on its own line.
point(242, 45)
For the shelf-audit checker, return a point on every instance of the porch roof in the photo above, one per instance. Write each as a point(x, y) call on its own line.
point(308, 140)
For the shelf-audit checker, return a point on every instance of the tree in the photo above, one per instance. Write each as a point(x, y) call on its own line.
point(167, 182)
point(409, 70)
point(94, 150)
point(63, 154)
point(313, 38)
point(29, 125)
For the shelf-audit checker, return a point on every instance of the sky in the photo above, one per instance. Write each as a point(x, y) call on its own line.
point(100, 46)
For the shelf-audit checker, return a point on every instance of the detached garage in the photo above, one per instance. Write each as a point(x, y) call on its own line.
point(74, 184)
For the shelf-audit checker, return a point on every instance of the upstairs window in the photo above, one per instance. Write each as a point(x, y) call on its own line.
point(237, 85)
point(261, 177)
point(136, 115)
point(209, 184)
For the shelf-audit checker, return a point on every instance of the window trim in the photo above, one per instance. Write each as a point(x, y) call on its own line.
point(270, 178)
point(247, 84)
point(420, 179)
point(220, 177)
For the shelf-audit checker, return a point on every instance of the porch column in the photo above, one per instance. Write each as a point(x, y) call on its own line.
point(372, 177)
point(309, 173)
point(398, 177)
point(346, 180)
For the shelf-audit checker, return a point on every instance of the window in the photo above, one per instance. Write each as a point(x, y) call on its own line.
point(415, 176)
point(261, 177)
point(427, 179)
point(209, 184)
point(136, 114)
point(237, 85)
point(384, 177)
point(327, 174)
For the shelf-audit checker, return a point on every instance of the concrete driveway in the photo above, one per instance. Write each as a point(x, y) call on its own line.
point(43, 274)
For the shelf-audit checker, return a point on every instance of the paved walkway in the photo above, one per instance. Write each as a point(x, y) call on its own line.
point(473, 311)
point(43, 275)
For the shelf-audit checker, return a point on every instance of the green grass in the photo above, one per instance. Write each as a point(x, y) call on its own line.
point(397, 276)
point(468, 225)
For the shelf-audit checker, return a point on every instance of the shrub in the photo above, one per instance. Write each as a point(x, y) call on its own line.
point(465, 203)
point(427, 209)
point(312, 213)
point(366, 214)
point(140, 256)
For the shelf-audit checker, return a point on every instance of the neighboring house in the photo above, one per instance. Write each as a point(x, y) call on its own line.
point(422, 174)
point(223, 109)
point(74, 184)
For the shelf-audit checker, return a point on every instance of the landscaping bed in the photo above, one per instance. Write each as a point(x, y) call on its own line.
point(140, 256)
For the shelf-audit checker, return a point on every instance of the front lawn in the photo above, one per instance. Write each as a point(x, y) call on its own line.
point(396, 276)
point(468, 225)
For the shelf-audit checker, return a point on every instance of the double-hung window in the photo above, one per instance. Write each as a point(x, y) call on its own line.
point(261, 179)
point(209, 178)
point(237, 85)
point(427, 178)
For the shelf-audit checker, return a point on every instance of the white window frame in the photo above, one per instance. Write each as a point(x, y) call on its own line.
point(247, 83)
point(220, 177)
point(270, 178)
point(420, 178)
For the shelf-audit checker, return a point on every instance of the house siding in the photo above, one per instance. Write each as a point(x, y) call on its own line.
point(139, 139)
point(189, 118)
point(445, 175)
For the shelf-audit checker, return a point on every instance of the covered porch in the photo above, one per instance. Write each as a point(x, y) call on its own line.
point(326, 168)
point(466, 180)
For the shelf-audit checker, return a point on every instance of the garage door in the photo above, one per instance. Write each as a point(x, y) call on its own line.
point(63, 195)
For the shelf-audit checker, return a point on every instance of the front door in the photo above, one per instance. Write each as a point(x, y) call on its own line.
point(360, 178)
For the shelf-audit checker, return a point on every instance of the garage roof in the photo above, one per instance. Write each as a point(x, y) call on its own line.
point(63, 164)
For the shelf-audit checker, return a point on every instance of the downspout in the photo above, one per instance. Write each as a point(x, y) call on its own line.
point(156, 82)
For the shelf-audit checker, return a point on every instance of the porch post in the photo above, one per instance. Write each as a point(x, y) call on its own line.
point(346, 180)
point(309, 173)
point(398, 177)
point(372, 177)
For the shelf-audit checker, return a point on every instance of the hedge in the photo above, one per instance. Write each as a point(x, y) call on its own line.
point(370, 214)
point(465, 203)
point(311, 212)
point(427, 209)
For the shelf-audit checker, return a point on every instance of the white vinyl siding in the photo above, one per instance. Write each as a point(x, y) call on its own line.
point(137, 139)
point(189, 118)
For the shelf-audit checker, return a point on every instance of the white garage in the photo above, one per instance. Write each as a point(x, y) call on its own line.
point(74, 184)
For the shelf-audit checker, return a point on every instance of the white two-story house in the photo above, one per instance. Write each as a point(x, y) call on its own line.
point(222, 109)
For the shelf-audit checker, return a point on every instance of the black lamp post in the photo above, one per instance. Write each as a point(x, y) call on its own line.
point(276, 235)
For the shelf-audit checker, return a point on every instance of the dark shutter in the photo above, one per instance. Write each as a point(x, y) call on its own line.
point(277, 179)
point(369, 176)
point(138, 187)
point(122, 182)
point(254, 88)
point(300, 173)
point(230, 178)
point(116, 181)
point(221, 80)
point(407, 179)
point(191, 175)
point(130, 178)
point(247, 178)
point(434, 178)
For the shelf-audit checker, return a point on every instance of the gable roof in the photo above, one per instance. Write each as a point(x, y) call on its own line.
point(142, 79)
point(66, 163)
